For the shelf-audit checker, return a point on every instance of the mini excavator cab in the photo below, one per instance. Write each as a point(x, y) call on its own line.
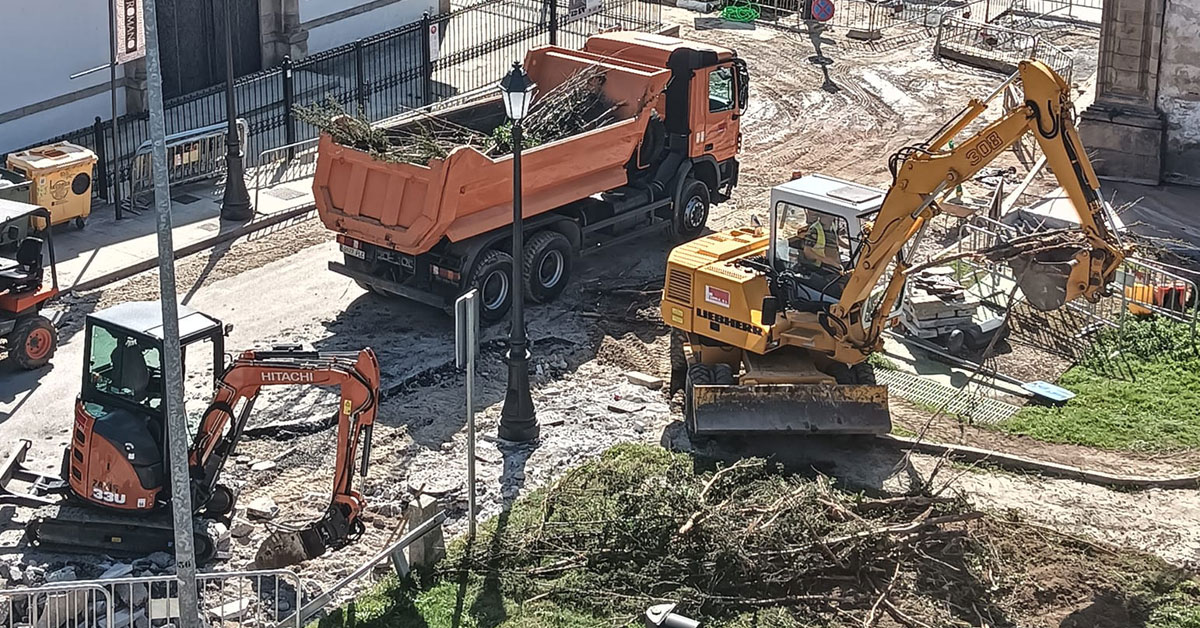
point(117, 457)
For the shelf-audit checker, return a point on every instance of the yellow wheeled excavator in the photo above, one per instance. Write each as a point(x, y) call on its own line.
point(772, 327)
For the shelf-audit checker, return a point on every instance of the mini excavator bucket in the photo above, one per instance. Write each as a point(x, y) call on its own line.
point(791, 408)
point(286, 547)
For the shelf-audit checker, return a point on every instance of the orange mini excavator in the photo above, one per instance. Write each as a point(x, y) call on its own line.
point(115, 472)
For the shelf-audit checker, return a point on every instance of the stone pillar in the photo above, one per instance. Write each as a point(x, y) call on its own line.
point(1124, 128)
point(280, 31)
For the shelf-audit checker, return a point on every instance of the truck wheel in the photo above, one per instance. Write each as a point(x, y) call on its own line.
point(33, 342)
point(697, 374)
point(492, 276)
point(546, 266)
point(691, 210)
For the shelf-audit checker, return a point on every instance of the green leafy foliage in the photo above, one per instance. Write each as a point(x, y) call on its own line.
point(1139, 389)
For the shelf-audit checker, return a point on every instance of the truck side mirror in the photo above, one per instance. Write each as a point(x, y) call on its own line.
point(228, 329)
point(770, 310)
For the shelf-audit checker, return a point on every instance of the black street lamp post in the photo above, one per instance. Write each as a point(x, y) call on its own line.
point(235, 205)
point(518, 420)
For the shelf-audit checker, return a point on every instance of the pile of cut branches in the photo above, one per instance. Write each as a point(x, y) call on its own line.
point(642, 526)
point(574, 106)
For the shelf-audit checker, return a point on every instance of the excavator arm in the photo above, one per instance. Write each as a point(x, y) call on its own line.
point(221, 427)
point(923, 173)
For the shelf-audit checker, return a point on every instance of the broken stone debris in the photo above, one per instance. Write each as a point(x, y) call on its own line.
point(625, 407)
point(119, 570)
point(64, 574)
point(234, 610)
point(262, 508)
point(262, 465)
point(430, 548)
point(644, 380)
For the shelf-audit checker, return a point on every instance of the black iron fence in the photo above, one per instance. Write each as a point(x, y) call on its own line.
point(380, 76)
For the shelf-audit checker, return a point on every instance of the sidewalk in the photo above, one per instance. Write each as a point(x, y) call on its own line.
point(108, 249)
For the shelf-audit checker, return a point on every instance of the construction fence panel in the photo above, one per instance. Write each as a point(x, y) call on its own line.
point(67, 605)
point(994, 47)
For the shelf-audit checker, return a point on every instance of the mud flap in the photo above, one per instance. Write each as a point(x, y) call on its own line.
point(797, 408)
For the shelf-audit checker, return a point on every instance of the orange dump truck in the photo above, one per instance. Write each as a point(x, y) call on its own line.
point(431, 232)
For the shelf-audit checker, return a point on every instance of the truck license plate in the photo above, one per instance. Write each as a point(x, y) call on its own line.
point(349, 250)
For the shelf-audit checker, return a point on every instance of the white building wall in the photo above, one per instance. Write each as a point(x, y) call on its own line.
point(343, 31)
point(45, 42)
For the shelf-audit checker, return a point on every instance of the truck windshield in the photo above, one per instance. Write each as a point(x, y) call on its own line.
point(808, 241)
point(125, 366)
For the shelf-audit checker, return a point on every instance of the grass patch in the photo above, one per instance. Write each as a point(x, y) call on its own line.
point(641, 525)
point(1147, 398)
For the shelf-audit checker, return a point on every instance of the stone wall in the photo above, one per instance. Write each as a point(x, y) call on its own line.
point(1179, 90)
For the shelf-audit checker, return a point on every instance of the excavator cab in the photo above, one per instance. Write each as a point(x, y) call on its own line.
point(816, 226)
point(118, 455)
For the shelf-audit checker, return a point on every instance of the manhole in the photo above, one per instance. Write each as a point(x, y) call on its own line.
point(285, 193)
point(185, 199)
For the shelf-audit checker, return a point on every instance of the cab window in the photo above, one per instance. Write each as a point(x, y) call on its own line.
point(720, 90)
point(125, 366)
point(811, 241)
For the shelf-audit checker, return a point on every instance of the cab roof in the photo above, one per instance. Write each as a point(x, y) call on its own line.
point(650, 48)
point(830, 195)
point(145, 318)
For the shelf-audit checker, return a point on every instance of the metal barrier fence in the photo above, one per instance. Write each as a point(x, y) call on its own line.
point(409, 66)
point(67, 605)
point(1141, 286)
point(291, 162)
point(996, 47)
point(868, 19)
point(191, 156)
point(245, 599)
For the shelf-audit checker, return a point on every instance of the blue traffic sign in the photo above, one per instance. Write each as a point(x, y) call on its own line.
point(822, 10)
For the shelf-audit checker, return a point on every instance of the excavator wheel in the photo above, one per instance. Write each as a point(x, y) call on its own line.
point(723, 374)
point(697, 374)
point(33, 342)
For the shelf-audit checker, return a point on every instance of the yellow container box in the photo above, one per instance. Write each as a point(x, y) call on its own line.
point(62, 180)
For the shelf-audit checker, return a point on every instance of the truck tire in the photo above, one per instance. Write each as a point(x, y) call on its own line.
point(546, 266)
point(691, 210)
point(492, 276)
point(697, 374)
point(33, 342)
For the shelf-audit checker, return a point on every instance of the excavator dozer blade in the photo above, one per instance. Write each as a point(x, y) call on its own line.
point(796, 408)
point(287, 547)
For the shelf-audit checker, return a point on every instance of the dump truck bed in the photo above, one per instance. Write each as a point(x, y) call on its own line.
point(410, 208)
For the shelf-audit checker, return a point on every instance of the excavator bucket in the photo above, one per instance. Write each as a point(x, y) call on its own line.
point(286, 547)
point(798, 408)
point(1043, 278)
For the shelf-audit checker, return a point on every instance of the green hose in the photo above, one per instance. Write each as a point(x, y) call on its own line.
point(740, 11)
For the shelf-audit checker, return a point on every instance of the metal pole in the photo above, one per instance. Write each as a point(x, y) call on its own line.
point(112, 88)
point(518, 420)
point(235, 205)
point(177, 434)
point(473, 333)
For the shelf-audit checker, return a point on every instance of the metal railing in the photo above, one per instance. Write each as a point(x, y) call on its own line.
point(66, 605)
point(238, 599)
point(191, 156)
point(994, 47)
point(276, 166)
point(1141, 286)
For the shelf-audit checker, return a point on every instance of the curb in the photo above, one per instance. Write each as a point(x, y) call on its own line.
point(193, 248)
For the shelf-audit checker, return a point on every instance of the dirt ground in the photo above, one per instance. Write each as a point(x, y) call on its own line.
point(843, 118)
